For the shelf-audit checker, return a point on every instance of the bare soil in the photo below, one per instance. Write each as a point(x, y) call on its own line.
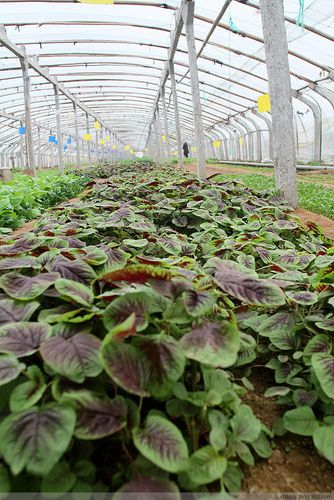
point(295, 465)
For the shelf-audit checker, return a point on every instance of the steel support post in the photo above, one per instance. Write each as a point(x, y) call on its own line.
point(77, 138)
point(89, 152)
point(27, 112)
point(59, 134)
point(39, 157)
point(164, 110)
point(276, 50)
point(188, 19)
point(159, 129)
point(316, 111)
point(176, 114)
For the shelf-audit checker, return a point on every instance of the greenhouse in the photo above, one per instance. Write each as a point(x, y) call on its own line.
point(166, 248)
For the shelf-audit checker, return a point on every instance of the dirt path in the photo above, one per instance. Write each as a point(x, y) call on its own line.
point(223, 169)
point(304, 215)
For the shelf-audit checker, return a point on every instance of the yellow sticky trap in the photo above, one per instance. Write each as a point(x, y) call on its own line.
point(87, 137)
point(102, 142)
point(127, 148)
point(107, 2)
point(217, 144)
point(241, 141)
point(146, 149)
point(108, 138)
point(263, 103)
point(193, 149)
point(114, 147)
point(163, 138)
point(132, 151)
point(97, 125)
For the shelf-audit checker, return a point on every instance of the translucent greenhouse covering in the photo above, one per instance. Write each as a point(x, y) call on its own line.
point(109, 61)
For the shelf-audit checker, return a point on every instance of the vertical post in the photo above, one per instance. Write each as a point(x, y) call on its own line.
point(39, 158)
point(59, 134)
point(160, 143)
point(164, 110)
point(27, 110)
point(89, 154)
point(157, 137)
point(188, 17)
point(77, 138)
point(97, 146)
point(176, 113)
point(22, 160)
point(276, 50)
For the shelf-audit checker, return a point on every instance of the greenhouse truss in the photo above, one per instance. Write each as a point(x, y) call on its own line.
point(100, 80)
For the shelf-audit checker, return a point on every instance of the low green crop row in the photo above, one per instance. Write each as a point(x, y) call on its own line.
point(313, 197)
point(25, 197)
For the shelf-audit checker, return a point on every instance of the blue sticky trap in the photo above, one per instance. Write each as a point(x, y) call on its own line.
point(233, 26)
point(52, 138)
point(22, 130)
point(65, 147)
point(69, 140)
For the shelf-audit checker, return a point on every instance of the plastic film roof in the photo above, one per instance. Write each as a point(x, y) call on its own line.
point(112, 58)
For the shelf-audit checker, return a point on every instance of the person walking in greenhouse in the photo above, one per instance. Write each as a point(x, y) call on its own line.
point(185, 149)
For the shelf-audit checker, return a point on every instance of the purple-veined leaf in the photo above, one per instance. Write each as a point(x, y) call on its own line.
point(22, 287)
point(161, 442)
point(288, 258)
point(98, 418)
point(323, 365)
point(75, 292)
point(117, 259)
point(165, 361)
point(10, 368)
point(301, 397)
point(67, 330)
point(172, 288)
point(20, 246)
point(246, 261)
point(143, 226)
point(95, 256)
point(35, 439)
point(74, 358)
point(12, 311)
point(285, 340)
point(281, 322)
point(318, 343)
point(304, 298)
point(264, 254)
point(126, 367)
point(170, 246)
point(326, 324)
point(246, 427)
point(197, 303)
point(23, 338)
point(76, 270)
point(250, 290)
point(214, 344)
point(284, 224)
point(28, 393)
point(122, 307)
point(19, 263)
point(148, 488)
